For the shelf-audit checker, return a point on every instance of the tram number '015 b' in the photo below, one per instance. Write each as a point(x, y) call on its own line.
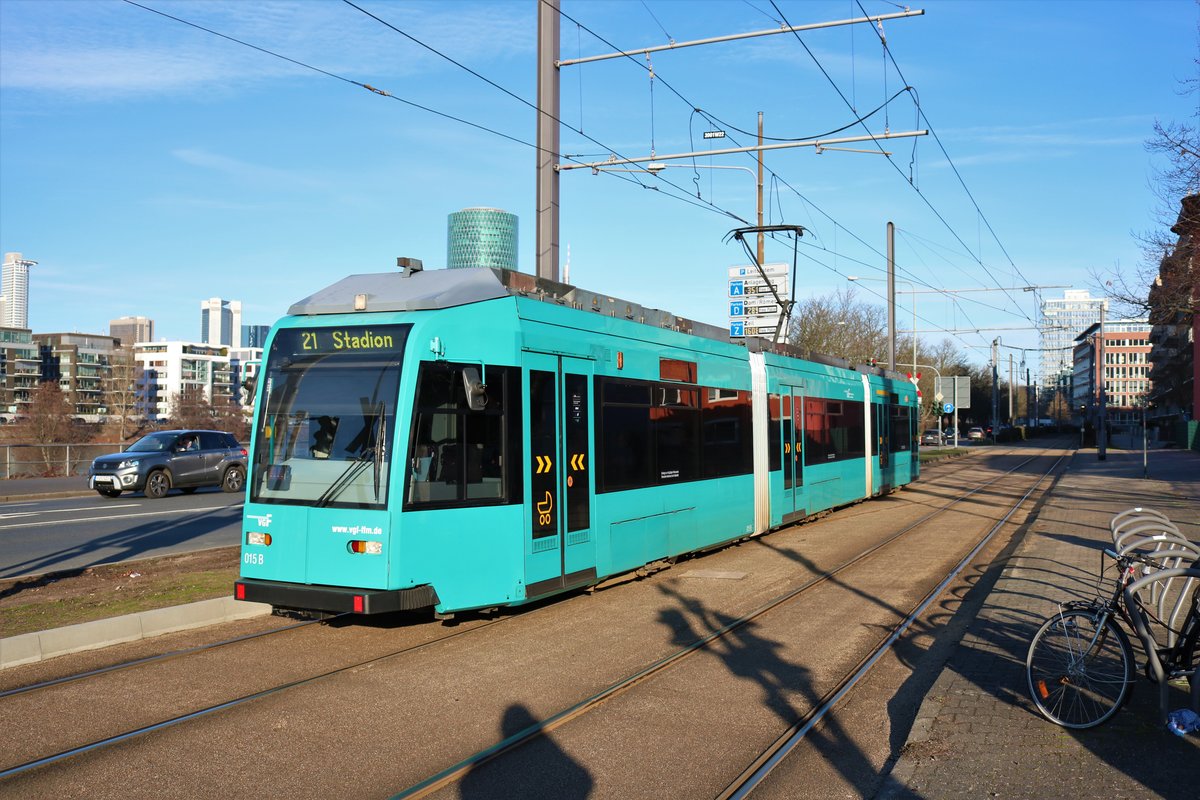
point(253, 558)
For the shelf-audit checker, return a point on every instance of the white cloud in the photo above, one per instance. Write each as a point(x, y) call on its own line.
point(102, 51)
point(247, 172)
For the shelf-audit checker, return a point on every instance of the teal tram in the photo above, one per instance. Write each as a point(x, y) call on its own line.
point(467, 439)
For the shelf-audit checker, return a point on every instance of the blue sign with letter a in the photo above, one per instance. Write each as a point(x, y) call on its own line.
point(737, 288)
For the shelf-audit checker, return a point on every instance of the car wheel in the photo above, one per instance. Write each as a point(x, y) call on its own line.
point(233, 480)
point(109, 492)
point(157, 484)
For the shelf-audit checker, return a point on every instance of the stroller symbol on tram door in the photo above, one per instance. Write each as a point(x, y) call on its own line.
point(544, 507)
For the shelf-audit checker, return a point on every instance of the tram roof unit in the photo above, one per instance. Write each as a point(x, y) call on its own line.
point(413, 288)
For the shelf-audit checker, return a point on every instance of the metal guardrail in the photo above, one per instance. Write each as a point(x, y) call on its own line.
point(51, 460)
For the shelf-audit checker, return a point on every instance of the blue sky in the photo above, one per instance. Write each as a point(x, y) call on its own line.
point(147, 165)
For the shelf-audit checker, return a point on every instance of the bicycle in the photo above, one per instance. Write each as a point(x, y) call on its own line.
point(1080, 664)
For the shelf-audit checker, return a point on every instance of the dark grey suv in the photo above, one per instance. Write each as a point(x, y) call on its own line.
point(165, 460)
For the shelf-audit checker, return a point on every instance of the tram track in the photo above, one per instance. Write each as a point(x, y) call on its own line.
point(159, 657)
point(544, 726)
point(762, 765)
point(215, 707)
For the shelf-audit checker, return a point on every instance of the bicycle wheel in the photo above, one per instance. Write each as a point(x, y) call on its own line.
point(1079, 675)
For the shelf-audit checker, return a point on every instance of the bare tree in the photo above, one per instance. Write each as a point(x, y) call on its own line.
point(839, 325)
point(121, 394)
point(191, 409)
point(1176, 178)
point(46, 421)
point(229, 416)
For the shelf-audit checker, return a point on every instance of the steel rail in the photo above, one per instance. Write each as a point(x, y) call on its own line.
point(453, 773)
point(785, 744)
point(33, 687)
point(204, 712)
point(457, 771)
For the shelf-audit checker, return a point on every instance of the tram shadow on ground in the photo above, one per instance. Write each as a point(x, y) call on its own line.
point(787, 688)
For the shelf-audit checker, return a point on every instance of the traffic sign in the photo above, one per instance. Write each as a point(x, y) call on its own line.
point(770, 270)
point(948, 408)
point(939, 397)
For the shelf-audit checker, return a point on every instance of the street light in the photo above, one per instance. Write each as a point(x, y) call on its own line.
point(911, 290)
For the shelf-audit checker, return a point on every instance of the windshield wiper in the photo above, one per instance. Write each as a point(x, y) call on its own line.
point(347, 477)
point(371, 453)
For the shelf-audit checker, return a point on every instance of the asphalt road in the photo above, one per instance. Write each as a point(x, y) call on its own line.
point(38, 536)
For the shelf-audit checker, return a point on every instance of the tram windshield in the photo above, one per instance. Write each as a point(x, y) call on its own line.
point(327, 416)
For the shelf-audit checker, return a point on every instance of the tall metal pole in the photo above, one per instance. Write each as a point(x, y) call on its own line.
point(995, 391)
point(1010, 388)
point(1101, 433)
point(761, 235)
point(1145, 464)
point(891, 283)
point(547, 140)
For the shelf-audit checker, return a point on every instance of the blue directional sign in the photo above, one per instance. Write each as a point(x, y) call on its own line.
point(737, 328)
point(737, 288)
point(737, 308)
point(948, 408)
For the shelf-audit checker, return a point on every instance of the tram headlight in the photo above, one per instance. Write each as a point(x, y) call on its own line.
point(360, 546)
point(254, 537)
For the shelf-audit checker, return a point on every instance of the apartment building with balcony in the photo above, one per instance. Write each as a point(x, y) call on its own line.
point(20, 370)
point(174, 369)
point(81, 364)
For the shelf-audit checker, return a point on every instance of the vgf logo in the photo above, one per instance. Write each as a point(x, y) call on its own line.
point(263, 519)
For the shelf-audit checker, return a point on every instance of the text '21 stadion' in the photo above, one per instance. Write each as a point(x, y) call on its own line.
point(472, 438)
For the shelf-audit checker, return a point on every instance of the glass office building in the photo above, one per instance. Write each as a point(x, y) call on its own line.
point(482, 237)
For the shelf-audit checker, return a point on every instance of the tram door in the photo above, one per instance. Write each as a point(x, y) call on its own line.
point(795, 500)
point(883, 434)
point(560, 549)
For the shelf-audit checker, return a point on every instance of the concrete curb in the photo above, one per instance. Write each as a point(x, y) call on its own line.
point(13, 498)
point(30, 648)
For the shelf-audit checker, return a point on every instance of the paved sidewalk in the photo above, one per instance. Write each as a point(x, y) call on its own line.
point(14, 489)
point(977, 733)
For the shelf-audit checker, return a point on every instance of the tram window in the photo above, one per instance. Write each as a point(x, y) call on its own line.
point(650, 434)
point(625, 446)
point(676, 443)
point(774, 433)
point(725, 434)
point(672, 369)
point(458, 456)
point(627, 393)
point(788, 432)
point(900, 435)
point(818, 447)
point(833, 430)
point(848, 429)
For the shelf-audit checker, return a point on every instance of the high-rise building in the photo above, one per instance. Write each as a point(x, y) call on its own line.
point(221, 322)
point(131, 330)
point(1063, 319)
point(255, 335)
point(482, 237)
point(14, 291)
